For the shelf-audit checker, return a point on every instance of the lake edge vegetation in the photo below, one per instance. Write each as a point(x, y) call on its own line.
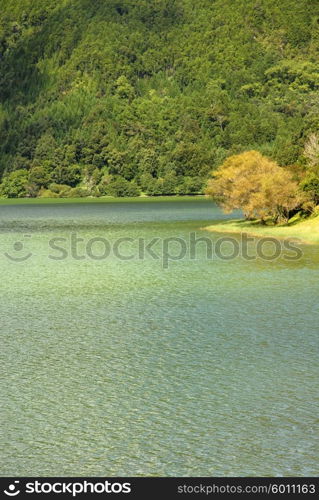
point(128, 98)
point(263, 190)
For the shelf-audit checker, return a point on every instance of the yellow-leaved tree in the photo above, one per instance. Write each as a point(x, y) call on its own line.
point(256, 185)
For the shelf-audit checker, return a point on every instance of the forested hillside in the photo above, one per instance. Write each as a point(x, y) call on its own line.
point(118, 97)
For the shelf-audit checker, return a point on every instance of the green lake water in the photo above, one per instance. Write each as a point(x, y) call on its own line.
point(192, 367)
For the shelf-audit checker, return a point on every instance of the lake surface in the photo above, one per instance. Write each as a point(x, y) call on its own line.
point(161, 364)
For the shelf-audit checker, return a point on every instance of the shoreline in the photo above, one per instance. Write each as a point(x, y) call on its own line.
point(303, 231)
point(102, 199)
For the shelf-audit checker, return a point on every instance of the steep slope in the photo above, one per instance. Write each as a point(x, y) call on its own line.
point(100, 94)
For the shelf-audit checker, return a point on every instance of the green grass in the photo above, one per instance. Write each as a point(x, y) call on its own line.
point(304, 230)
point(106, 199)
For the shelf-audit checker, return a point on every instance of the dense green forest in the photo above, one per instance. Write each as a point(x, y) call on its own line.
point(122, 97)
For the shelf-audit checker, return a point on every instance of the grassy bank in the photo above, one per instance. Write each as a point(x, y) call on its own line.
point(304, 230)
point(105, 199)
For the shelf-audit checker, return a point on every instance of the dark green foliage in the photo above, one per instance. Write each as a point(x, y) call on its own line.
point(40, 176)
point(164, 186)
point(119, 187)
point(310, 184)
point(113, 96)
point(67, 174)
point(191, 185)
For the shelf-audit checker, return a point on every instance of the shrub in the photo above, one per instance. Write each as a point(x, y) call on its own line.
point(191, 185)
point(120, 187)
point(39, 176)
point(47, 193)
point(14, 185)
point(69, 175)
point(310, 185)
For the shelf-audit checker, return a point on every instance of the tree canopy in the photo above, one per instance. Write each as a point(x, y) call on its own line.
point(256, 185)
point(152, 95)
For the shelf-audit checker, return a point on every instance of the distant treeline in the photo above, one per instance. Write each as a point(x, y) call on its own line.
point(122, 97)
